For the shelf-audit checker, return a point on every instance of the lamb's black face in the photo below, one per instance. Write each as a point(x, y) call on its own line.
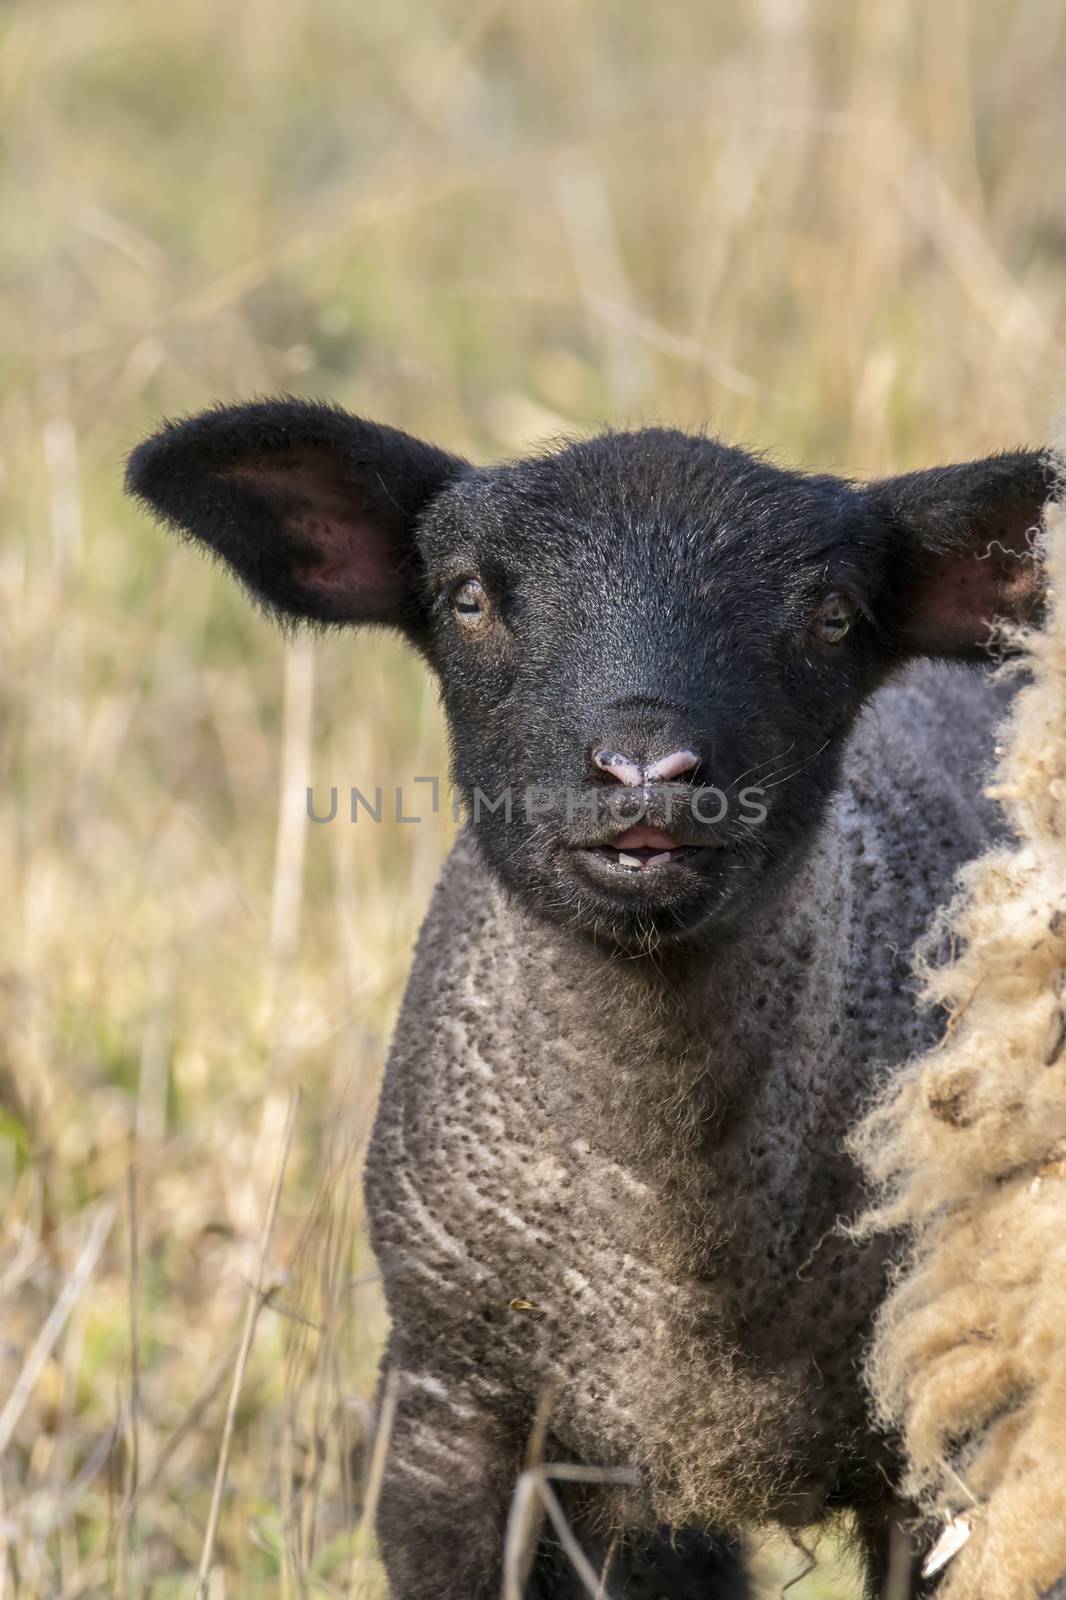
point(651, 646)
point(651, 650)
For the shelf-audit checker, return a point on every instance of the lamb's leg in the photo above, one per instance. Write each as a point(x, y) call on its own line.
point(450, 1470)
point(671, 1564)
point(894, 1555)
point(450, 1474)
point(684, 1564)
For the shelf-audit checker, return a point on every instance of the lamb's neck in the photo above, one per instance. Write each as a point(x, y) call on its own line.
point(696, 1059)
point(682, 1041)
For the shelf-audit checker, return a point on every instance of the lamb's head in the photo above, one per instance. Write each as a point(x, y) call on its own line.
point(650, 646)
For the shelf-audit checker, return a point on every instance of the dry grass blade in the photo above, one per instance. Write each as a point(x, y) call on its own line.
point(68, 1297)
point(527, 1509)
point(127, 1574)
point(898, 1580)
point(535, 1485)
point(523, 1524)
point(255, 1301)
point(90, 1576)
point(4, 1542)
point(376, 1472)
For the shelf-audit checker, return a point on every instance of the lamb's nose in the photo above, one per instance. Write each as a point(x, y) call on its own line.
point(633, 774)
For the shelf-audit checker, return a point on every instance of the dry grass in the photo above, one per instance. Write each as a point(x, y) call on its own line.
point(835, 230)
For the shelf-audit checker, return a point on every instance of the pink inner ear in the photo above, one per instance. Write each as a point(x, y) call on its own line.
point(348, 556)
point(962, 595)
point(345, 549)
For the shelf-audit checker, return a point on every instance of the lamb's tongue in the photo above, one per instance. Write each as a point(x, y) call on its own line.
point(645, 838)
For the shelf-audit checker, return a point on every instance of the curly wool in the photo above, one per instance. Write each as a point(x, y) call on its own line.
point(968, 1151)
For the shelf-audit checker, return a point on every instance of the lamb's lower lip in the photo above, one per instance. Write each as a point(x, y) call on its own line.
point(639, 862)
point(678, 895)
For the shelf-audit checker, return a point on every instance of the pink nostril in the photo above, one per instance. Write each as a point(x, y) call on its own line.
point(633, 775)
point(675, 765)
point(620, 767)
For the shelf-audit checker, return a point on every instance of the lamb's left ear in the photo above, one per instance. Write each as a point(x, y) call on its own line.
point(313, 509)
point(962, 555)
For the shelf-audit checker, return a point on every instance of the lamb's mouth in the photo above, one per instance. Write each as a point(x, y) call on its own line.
point(644, 849)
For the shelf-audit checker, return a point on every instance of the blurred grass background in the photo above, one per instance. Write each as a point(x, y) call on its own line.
point(837, 231)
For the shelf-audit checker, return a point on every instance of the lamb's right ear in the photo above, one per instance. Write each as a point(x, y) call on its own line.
point(963, 552)
point(313, 508)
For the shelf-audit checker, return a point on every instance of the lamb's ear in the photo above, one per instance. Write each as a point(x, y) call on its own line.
point(312, 508)
point(961, 554)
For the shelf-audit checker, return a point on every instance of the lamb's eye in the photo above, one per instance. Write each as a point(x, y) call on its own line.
point(834, 619)
point(470, 603)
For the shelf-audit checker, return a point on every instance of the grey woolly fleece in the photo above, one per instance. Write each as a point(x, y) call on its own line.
point(622, 1183)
